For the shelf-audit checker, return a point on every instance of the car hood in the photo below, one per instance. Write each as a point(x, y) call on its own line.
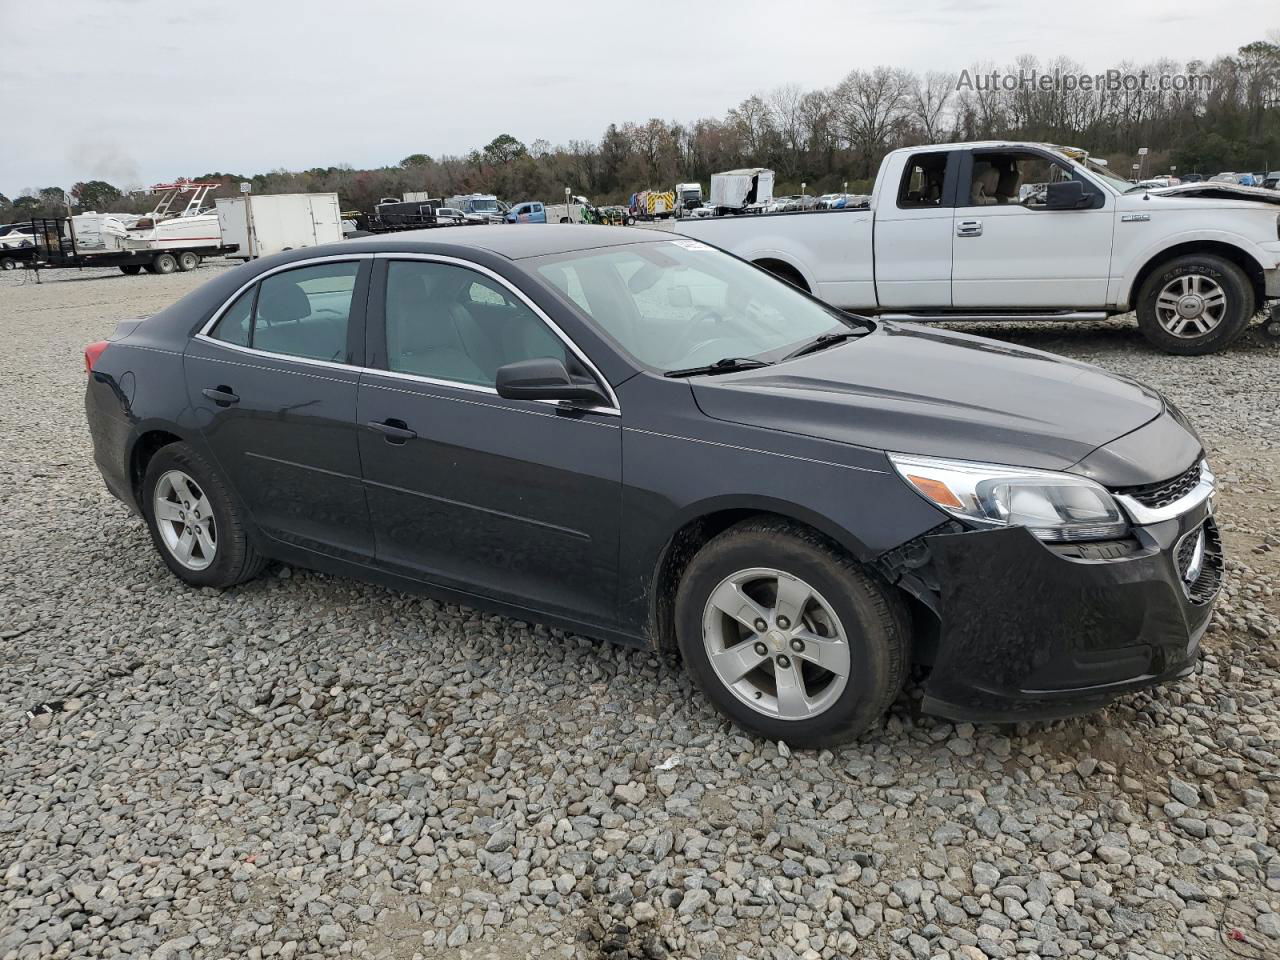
point(1219, 191)
point(910, 389)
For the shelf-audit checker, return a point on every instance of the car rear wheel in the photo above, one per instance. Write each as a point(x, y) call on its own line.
point(195, 524)
point(1195, 304)
point(788, 636)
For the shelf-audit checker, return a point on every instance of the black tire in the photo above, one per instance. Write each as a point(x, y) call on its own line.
point(874, 619)
point(1271, 323)
point(235, 559)
point(8, 263)
point(164, 263)
point(188, 261)
point(132, 269)
point(1240, 305)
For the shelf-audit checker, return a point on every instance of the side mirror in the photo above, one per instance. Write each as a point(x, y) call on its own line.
point(1066, 195)
point(546, 378)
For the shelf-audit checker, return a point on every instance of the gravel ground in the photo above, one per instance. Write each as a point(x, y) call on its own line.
point(306, 766)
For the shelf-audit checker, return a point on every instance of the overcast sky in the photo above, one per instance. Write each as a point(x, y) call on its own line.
point(135, 91)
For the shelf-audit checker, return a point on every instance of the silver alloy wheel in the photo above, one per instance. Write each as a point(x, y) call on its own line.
point(776, 643)
point(184, 518)
point(1191, 305)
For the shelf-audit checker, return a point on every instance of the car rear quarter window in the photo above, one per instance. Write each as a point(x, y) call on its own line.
point(305, 312)
point(235, 324)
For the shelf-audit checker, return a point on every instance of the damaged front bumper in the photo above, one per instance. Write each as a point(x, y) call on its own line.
point(1029, 630)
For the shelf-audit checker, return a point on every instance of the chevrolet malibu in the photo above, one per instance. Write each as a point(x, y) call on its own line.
point(638, 437)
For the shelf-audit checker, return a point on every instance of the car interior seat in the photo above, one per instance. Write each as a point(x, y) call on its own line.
point(1009, 181)
point(986, 182)
point(423, 335)
point(285, 323)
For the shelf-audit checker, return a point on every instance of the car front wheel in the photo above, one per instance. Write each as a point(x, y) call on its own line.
point(788, 636)
point(1195, 304)
point(198, 529)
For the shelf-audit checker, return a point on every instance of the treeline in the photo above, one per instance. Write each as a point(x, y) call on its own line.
point(1200, 116)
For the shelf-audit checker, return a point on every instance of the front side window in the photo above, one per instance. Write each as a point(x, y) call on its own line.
point(1013, 178)
point(679, 303)
point(448, 322)
point(305, 312)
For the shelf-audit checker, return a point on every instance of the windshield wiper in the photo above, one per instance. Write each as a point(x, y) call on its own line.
point(821, 342)
point(723, 365)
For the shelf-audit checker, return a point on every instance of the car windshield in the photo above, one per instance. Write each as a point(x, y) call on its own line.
point(678, 304)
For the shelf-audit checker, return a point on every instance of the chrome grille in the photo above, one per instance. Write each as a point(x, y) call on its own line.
point(1201, 583)
point(1156, 495)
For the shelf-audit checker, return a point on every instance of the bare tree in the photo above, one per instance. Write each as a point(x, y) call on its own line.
point(930, 98)
point(871, 105)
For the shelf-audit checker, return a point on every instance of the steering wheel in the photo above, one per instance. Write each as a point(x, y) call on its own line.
point(707, 315)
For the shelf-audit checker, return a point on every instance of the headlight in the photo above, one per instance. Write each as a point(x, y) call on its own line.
point(1052, 506)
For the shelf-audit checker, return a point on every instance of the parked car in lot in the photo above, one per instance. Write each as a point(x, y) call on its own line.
point(641, 438)
point(450, 215)
point(1272, 180)
point(951, 235)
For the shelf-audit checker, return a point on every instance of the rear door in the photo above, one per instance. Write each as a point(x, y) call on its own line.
point(272, 383)
point(1012, 253)
point(913, 233)
point(514, 500)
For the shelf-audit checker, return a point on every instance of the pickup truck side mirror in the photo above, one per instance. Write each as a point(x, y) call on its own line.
point(546, 378)
point(1067, 195)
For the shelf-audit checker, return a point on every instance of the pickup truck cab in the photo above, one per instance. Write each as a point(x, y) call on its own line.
point(1006, 230)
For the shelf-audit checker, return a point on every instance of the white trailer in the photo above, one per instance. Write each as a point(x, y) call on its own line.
point(733, 190)
point(272, 223)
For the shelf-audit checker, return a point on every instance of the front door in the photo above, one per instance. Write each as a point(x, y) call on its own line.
point(1009, 252)
point(509, 499)
point(273, 389)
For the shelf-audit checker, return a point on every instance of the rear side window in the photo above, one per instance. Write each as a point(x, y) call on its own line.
point(236, 323)
point(922, 181)
point(305, 312)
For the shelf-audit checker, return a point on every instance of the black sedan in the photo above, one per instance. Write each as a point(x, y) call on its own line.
point(641, 438)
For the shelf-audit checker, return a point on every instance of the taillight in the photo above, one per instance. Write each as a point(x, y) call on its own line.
point(91, 354)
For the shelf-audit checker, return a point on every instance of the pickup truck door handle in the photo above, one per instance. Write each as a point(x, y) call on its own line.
point(222, 395)
point(396, 431)
point(969, 228)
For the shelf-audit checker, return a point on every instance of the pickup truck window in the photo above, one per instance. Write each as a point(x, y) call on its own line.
point(1011, 177)
point(922, 181)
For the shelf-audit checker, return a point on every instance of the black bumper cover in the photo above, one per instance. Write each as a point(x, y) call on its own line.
point(1028, 632)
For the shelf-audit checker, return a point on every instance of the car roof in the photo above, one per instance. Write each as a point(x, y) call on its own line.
point(513, 242)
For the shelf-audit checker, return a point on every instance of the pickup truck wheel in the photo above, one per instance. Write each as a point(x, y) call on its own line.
point(788, 637)
point(1195, 304)
point(164, 263)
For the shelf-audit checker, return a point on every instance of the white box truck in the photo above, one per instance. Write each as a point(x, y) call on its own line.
point(272, 223)
point(735, 190)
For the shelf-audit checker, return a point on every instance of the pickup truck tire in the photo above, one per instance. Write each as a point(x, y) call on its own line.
point(843, 659)
point(1195, 304)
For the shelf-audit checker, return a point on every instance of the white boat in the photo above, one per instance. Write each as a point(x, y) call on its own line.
point(169, 228)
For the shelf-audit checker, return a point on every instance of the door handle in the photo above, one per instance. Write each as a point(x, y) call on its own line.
point(222, 395)
point(396, 431)
point(969, 228)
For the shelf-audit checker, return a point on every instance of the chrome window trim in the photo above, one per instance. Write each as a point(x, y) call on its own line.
point(204, 333)
point(1142, 515)
point(614, 408)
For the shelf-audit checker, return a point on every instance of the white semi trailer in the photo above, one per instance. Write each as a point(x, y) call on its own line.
point(271, 223)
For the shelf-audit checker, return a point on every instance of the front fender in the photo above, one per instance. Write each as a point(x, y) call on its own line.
point(1123, 290)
